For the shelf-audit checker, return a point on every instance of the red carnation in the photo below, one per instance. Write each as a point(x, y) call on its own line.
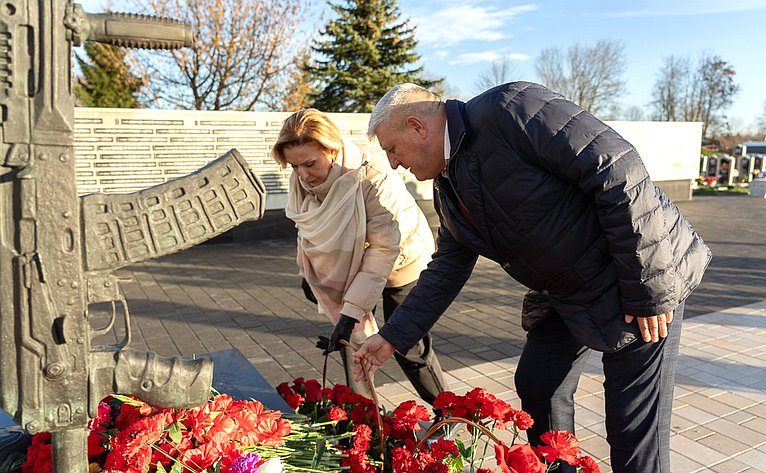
point(434, 467)
point(363, 414)
point(294, 400)
point(408, 413)
point(522, 419)
point(341, 394)
point(443, 447)
point(270, 429)
point(588, 464)
point(336, 413)
point(481, 404)
point(39, 455)
point(97, 439)
point(450, 403)
point(298, 384)
point(136, 462)
point(362, 437)
point(519, 458)
point(284, 389)
point(402, 461)
point(313, 391)
point(220, 402)
point(560, 445)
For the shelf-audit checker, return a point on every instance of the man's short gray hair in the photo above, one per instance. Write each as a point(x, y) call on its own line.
point(402, 100)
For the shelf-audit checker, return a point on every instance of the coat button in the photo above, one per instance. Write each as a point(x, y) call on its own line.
point(506, 266)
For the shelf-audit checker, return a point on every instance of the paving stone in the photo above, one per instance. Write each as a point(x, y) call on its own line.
point(732, 466)
point(701, 454)
point(695, 414)
point(681, 463)
point(754, 458)
point(740, 432)
point(710, 405)
point(247, 295)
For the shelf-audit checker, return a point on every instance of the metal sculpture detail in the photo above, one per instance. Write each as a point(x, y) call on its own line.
point(58, 251)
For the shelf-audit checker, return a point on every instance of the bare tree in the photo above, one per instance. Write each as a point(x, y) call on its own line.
point(762, 123)
point(500, 72)
point(589, 76)
point(702, 94)
point(444, 89)
point(713, 90)
point(670, 89)
point(293, 90)
point(242, 51)
point(633, 113)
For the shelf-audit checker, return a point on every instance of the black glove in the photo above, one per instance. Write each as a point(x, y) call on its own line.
point(342, 331)
point(307, 292)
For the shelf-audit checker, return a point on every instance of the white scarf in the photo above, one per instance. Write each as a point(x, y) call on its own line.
point(332, 234)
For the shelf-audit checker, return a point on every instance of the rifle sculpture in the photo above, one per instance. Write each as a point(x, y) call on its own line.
point(58, 250)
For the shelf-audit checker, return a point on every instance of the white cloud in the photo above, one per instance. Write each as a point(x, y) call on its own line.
point(473, 58)
point(487, 56)
point(518, 57)
point(454, 24)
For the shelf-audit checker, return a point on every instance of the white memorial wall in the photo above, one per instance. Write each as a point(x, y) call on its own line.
point(125, 150)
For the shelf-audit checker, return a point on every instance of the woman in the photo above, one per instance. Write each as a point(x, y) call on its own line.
point(360, 235)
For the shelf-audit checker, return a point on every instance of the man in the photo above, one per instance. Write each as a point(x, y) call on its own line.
point(564, 204)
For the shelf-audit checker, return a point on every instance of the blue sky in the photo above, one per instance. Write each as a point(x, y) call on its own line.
point(459, 39)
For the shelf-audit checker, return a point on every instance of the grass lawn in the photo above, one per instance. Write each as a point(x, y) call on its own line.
point(720, 190)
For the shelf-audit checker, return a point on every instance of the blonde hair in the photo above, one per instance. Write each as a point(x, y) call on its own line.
point(399, 102)
point(306, 126)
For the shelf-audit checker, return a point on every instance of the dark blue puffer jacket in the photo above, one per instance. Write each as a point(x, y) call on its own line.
point(563, 203)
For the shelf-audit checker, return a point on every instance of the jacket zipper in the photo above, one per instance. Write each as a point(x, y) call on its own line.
point(461, 205)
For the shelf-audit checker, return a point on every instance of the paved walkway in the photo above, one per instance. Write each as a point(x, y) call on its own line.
point(246, 295)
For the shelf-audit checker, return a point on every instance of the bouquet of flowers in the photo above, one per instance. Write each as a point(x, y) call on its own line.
point(222, 436)
point(388, 441)
point(334, 430)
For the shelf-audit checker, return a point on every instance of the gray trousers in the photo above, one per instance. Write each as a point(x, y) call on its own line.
point(638, 390)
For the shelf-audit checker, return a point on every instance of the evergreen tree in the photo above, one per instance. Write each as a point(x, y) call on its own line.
point(106, 80)
point(366, 50)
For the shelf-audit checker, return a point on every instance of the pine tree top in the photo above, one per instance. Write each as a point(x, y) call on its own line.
point(106, 80)
point(362, 53)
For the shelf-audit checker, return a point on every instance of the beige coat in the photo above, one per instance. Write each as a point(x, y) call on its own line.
point(399, 242)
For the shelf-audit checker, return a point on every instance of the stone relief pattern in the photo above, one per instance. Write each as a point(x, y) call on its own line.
point(120, 151)
point(122, 229)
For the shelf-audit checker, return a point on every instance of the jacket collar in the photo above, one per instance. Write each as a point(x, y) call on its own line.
point(455, 124)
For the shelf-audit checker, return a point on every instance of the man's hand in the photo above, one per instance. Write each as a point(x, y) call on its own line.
point(652, 328)
point(374, 352)
point(342, 331)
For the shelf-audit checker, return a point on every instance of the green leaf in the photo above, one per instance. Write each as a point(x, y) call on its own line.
point(456, 465)
point(128, 400)
point(465, 452)
point(177, 467)
point(321, 445)
point(160, 468)
point(175, 432)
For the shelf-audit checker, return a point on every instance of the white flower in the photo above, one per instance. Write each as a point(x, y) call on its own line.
point(272, 465)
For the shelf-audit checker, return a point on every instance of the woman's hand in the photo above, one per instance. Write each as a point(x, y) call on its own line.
point(342, 331)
